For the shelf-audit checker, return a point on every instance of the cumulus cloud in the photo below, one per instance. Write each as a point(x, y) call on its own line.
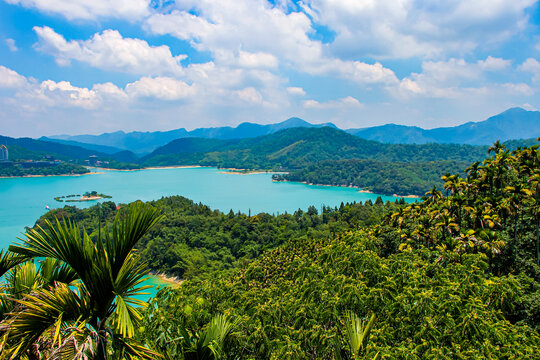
point(446, 79)
point(250, 95)
point(254, 34)
point(294, 90)
point(346, 102)
point(110, 51)
point(89, 10)
point(160, 88)
point(10, 79)
point(533, 66)
point(410, 28)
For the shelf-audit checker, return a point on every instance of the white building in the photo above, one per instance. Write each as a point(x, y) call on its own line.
point(4, 155)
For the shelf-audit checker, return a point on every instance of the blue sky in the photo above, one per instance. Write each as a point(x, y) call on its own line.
point(78, 66)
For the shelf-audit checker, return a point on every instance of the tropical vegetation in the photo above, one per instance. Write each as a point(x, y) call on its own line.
point(453, 276)
point(81, 301)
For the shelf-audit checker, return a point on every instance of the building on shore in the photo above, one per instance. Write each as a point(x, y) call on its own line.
point(4, 154)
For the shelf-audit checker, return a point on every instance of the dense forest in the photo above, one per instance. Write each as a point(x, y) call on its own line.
point(297, 147)
point(455, 276)
point(57, 169)
point(376, 176)
point(194, 241)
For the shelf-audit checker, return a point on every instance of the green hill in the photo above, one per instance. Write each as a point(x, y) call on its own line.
point(453, 277)
point(296, 147)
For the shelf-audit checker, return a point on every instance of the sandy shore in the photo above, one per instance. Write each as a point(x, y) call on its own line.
point(354, 187)
point(170, 280)
point(89, 198)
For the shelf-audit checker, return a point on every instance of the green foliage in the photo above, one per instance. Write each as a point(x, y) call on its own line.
point(56, 169)
point(453, 277)
point(298, 147)
point(194, 240)
point(84, 294)
point(386, 178)
point(290, 304)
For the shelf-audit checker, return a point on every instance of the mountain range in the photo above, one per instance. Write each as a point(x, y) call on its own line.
point(145, 142)
point(514, 123)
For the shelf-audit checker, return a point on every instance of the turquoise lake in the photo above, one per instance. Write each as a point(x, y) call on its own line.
point(23, 200)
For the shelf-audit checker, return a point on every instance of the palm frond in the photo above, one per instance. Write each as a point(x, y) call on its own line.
point(357, 332)
point(8, 260)
point(43, 312)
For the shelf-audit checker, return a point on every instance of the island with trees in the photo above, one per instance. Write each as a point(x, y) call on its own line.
point(87, 196)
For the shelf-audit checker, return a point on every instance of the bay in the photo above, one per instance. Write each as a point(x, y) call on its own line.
point(24, 200)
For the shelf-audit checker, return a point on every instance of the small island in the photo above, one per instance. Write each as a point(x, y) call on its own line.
point(87, 196)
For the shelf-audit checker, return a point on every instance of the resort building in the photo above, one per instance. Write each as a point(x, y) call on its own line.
point(4, 155)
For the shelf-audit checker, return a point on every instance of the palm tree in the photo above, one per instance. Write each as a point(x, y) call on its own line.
point(357, 335)
point(99, 312)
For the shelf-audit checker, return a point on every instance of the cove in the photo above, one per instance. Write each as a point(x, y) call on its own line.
point(24, 200)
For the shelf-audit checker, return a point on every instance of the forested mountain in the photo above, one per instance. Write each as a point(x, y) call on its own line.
point(146, 142)
point(452, 277)
point(27, 148)
point(296, 147)
point(515, 123)
point(93, 147)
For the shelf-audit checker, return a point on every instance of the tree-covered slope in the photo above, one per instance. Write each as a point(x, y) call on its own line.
point(455, 276)
point(296, 147)
point(380, 177)
point(195, 241)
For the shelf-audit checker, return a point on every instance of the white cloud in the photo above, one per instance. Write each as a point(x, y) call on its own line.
point(11, 79)
point(89, 9)
point(294, 90)
point(160, 88)
point(257, 60)
point(520, 89)
point(110, 51)
point(250, 95)
point(254, 34)
point(11, 45)
point(412, 28)
point(452, 78)
point(494, 64)
point(64, 94)
point(533, 66)
point(346, 102)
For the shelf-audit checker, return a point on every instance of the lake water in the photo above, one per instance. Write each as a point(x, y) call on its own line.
point(23, 200)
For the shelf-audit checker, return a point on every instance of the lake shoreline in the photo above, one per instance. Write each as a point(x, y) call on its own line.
point(38, 176)
point(167, 279)
point(351, 187)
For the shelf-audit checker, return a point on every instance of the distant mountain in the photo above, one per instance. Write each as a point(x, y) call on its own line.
point(26, 148)
point(146, 142)
point(295, 147)
point(93, 147)
point(515, 123)
point(137, 142)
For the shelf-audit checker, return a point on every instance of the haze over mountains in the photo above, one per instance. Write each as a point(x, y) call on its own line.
point(515, 123)
point(146, 142)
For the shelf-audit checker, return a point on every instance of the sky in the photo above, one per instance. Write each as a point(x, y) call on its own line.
point(88, 67)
